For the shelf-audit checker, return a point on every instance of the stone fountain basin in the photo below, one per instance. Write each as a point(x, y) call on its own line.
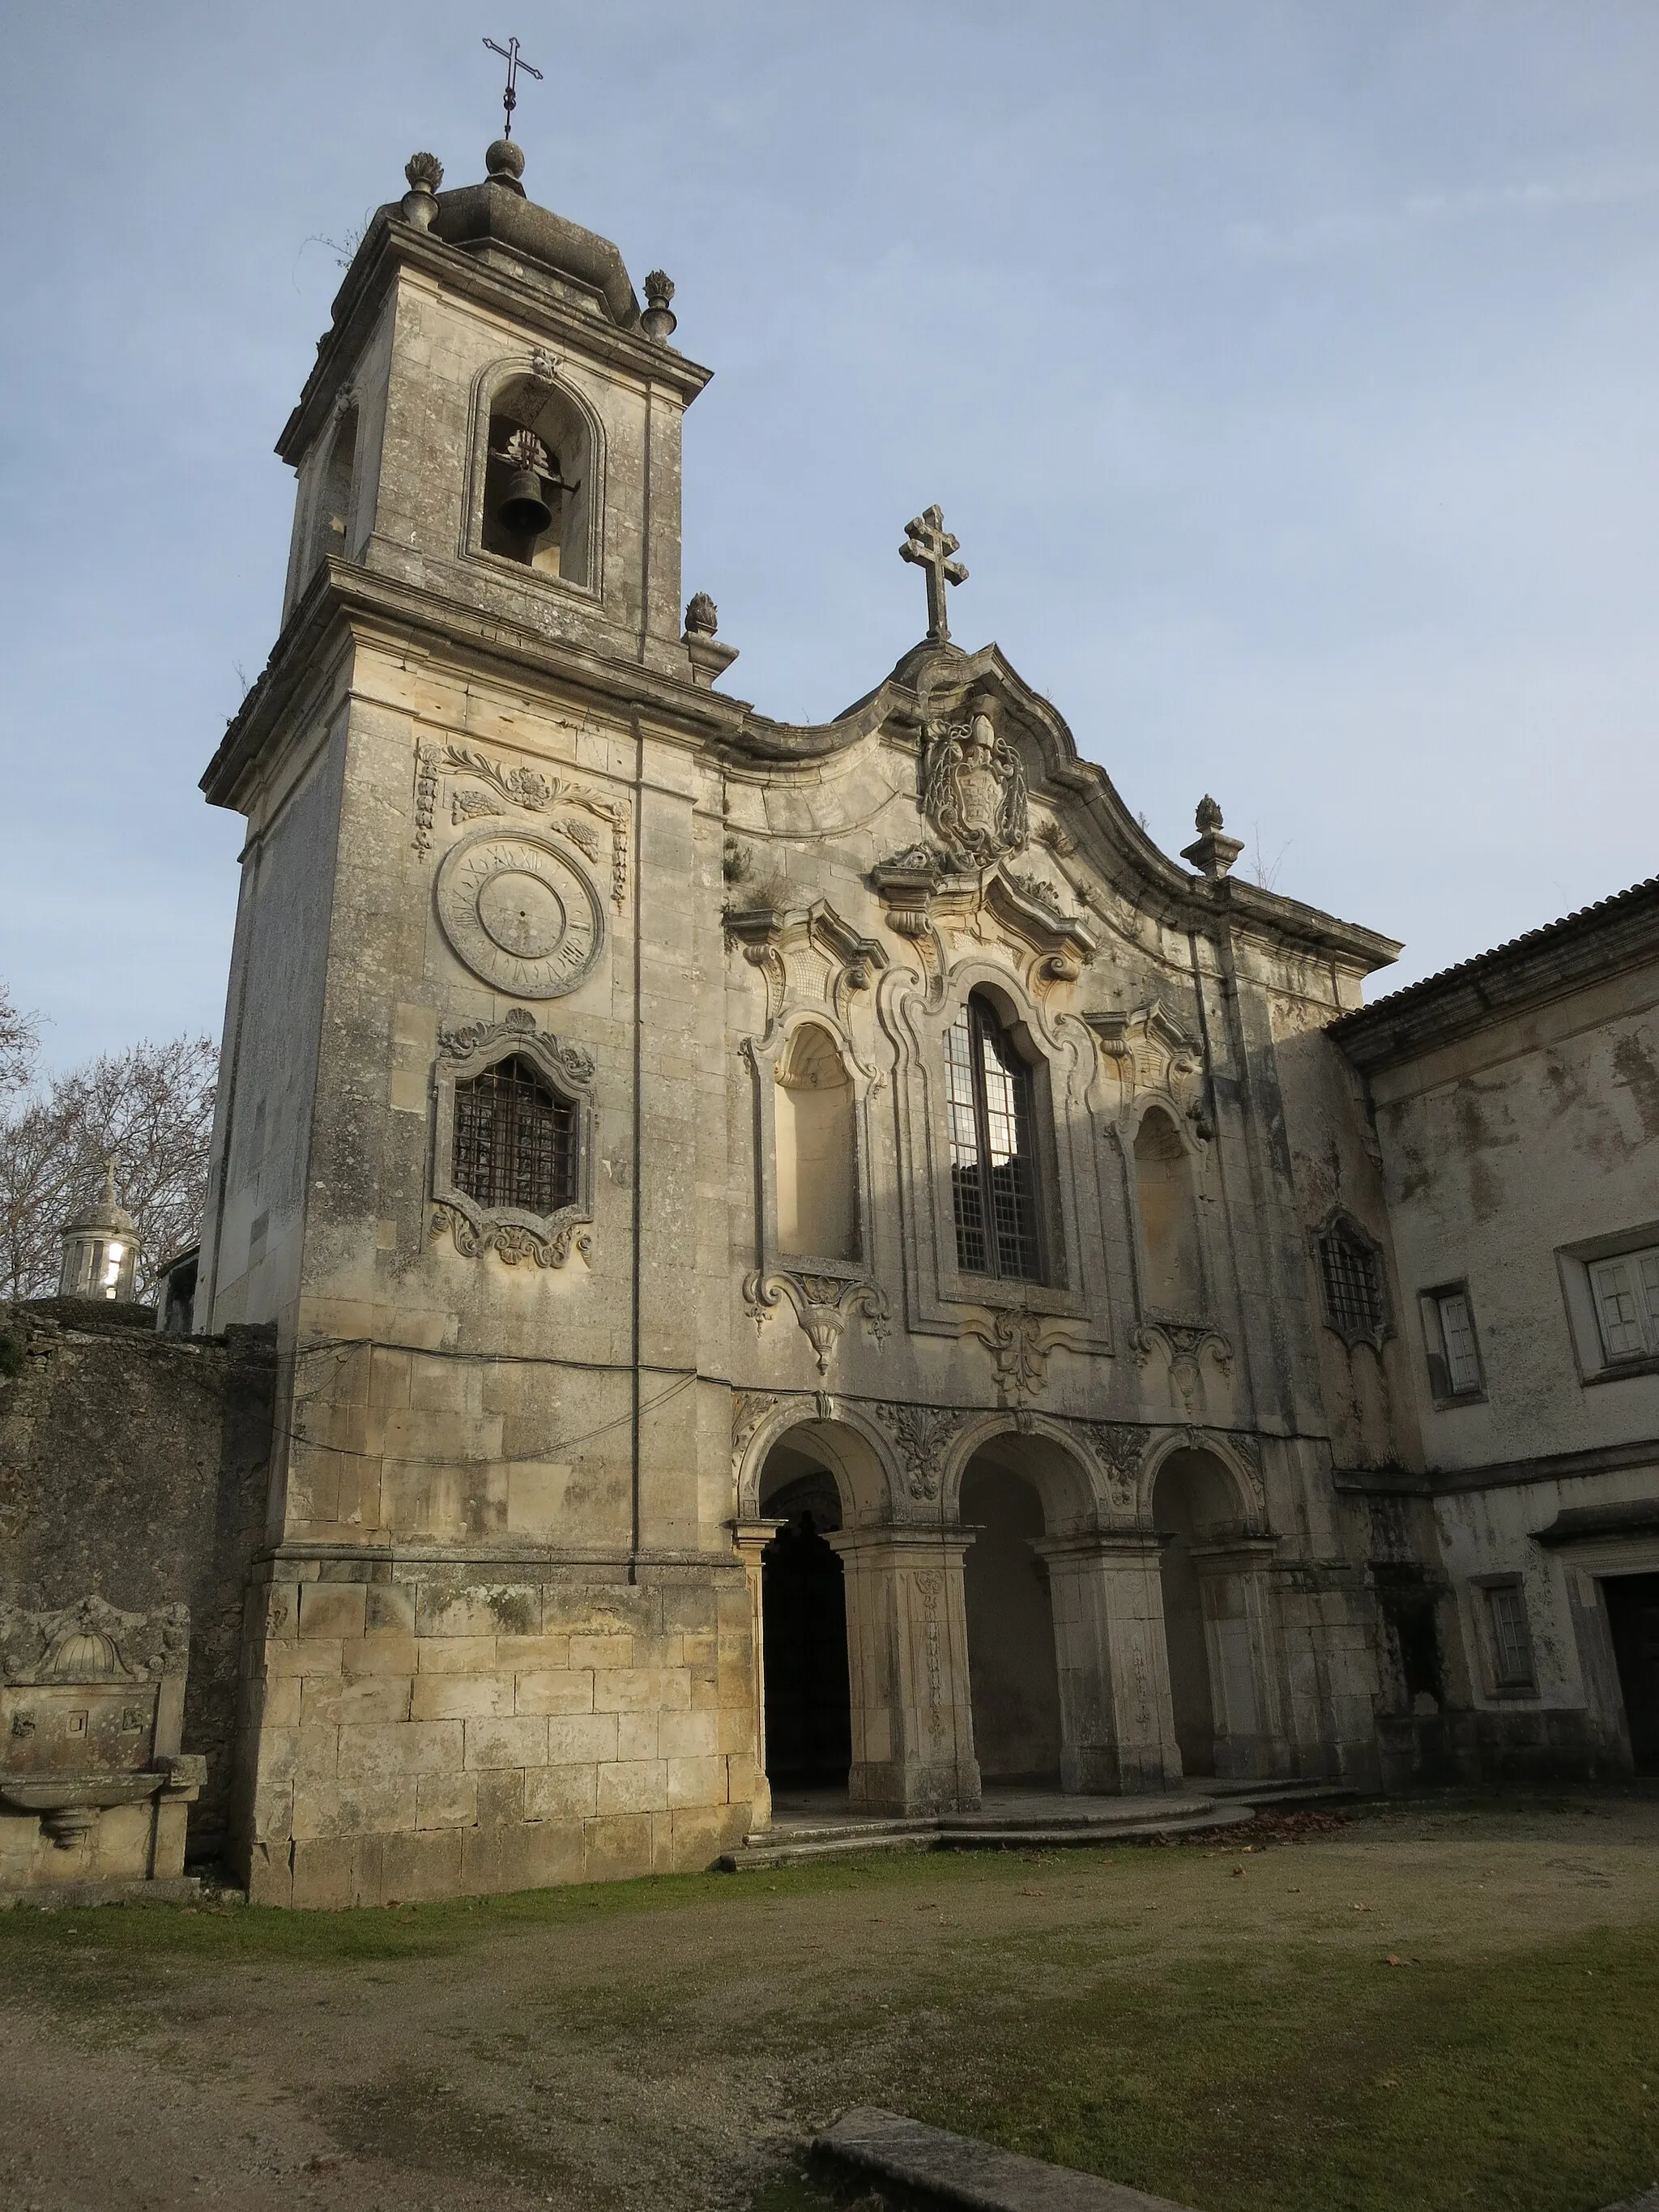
point(97, 1792)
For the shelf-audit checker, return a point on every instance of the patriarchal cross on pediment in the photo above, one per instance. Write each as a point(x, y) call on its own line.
point(930, 545)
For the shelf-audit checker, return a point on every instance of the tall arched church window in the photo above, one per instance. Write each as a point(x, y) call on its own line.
point(817, 1191)
point(994, 1182)
point(515, 1141)
point(537, 481)
point(1169, 1216)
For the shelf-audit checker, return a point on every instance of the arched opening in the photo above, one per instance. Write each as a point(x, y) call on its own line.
point(1012, 1672)
point(818, 1209)
point(1191, 1503)
point(539, 481)
point(1169, 1216)
point(331, 531)
point(809, 1725)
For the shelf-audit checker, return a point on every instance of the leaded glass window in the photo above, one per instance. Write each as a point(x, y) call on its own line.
point(515, 1141)
point(993, 1163)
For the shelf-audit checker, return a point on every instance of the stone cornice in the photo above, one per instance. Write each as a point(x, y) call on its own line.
point(1580, 951)
point(342, 597)
point(535, 308)
point(1498, 1474)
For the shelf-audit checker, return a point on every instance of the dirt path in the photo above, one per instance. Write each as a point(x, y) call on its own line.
point(664, 2045)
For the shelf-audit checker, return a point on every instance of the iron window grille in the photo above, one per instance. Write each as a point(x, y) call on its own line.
point(1351, 1277)
point(515, 1141)
point(993, 1184)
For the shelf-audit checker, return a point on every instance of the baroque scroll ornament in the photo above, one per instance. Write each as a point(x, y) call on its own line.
point(510, 1241)
point(976, 791)
point(922, 1434)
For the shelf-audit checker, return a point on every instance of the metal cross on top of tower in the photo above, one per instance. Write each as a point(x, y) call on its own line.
point(515, 62)
point(930, 545)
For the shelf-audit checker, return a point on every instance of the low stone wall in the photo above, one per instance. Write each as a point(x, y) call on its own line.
point(133, 1468)
point(438, 1728)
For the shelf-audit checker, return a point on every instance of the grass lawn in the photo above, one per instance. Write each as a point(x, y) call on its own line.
point(1441, 2004)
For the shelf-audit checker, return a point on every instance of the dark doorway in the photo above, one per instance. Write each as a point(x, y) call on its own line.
point(809, 1721)
point(1633, 1616)
point(1011, 1630)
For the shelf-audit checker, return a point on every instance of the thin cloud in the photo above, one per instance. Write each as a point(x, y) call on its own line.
point(1334, 234)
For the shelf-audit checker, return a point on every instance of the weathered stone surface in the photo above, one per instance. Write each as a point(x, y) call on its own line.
point(945, 2169)
point(133, 1466)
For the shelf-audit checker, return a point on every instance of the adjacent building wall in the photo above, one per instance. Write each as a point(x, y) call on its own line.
point(132, 1468)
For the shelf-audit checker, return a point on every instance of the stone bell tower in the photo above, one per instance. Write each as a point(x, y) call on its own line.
point(467, 1108)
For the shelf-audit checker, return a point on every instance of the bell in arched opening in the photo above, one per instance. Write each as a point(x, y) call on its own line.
point(524, 509)
point(100, 1248)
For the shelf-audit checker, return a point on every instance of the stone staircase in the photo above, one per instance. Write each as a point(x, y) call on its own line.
point(1045, 1821)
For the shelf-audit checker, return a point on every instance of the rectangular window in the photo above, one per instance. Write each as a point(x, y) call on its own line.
point(1511, 1643)
point(1626, 1295)
point(1448, 1337)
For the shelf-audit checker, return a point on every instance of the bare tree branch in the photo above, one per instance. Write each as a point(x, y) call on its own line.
point(20, 1040)
point(152, 1107)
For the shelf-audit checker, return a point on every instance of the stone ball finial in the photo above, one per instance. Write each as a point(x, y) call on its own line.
point(1207, 816)
point(701, 616)
point(658, 321)
point(504, 162)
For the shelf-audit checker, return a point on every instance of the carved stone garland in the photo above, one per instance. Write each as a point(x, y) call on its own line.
point(525, 787)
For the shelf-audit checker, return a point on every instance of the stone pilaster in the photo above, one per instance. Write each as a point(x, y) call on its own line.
point(749, 1540)
point(1116, 1720)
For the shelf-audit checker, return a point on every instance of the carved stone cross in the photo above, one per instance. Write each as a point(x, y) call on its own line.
point(930, 545)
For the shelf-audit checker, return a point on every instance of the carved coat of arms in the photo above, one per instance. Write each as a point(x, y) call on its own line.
point(976, 794)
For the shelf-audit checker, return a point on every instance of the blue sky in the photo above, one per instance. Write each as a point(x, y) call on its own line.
point(1286, 371)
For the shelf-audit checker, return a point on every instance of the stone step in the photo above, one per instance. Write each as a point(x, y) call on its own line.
point(1076, 1838)
point(826, 1832)
point(1291, 1793)
point(934, 2168)
point(1058, 1814)
point(760, 1856)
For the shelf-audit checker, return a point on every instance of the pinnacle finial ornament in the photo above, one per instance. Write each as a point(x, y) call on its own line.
point(1212, 852)
point(425, 172)
point(658, 321)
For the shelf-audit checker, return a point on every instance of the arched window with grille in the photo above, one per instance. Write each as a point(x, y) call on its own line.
point(993, 1167)
point(515, 1141)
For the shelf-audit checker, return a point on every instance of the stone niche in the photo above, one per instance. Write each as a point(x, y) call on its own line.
point(93, 1786)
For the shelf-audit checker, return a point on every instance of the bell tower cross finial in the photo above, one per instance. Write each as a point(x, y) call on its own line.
point(515, 62)
point(930, 545)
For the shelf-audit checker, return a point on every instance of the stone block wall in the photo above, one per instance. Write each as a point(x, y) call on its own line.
point(426, 1732)
point(133, 1467)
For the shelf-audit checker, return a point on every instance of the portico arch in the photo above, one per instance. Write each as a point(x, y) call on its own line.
point(1216, 1614)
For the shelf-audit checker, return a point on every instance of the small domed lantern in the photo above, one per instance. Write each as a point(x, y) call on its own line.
point(100, 1248)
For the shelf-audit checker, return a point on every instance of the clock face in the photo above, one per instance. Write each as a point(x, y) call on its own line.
point(521, 914)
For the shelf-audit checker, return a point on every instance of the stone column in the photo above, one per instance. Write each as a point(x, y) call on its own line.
point(1239, 1638)
point(907, 1656)
point(749, 1540)
point(1117, 1724)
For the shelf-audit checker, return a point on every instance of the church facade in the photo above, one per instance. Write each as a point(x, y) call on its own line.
point(802, 1256)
